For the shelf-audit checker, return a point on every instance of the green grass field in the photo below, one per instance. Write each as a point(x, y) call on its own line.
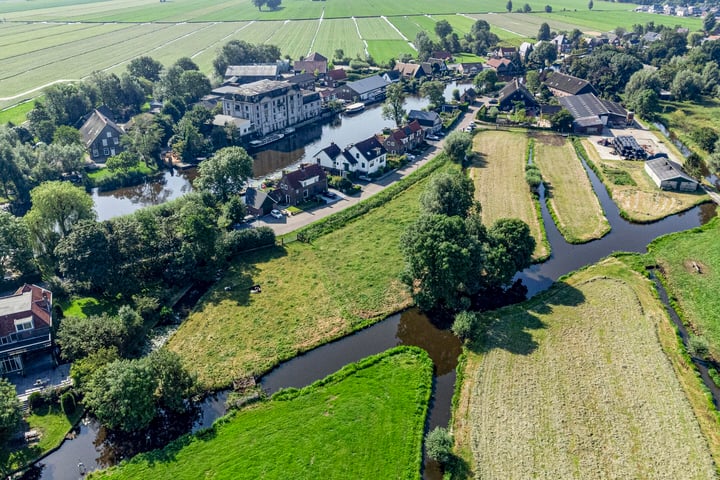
point(312, 293)
point(16, 114)
point(383, 50)
point(696, 293)
point(604, 21)
point(582, 382)
point(410, 26)
point(500, 187)
point(570, 196)
point(683, 117)
point(364, 422)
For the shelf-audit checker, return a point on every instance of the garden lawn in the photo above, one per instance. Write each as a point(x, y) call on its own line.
point(580, 382)
point(364, 422)
point(696, 293)
point(17, 114)
point(569, 194)
point(635, 193)
point(500, 187)
point(311, 294)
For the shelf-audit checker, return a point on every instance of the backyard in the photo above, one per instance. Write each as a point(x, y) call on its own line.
point(364, 422)
point(580, 382)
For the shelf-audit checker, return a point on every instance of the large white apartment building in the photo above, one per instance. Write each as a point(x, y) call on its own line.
point(269, 105)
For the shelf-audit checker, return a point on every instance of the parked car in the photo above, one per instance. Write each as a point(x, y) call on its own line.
point(329, 194)
point(410, 156)
point(432, 137)
point(276, 213)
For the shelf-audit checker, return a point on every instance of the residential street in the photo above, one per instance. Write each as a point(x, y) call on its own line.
point(288, 224)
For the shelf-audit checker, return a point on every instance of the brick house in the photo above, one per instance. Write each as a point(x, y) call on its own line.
point(101, 137)
point(404, 138)
point(25, 326)
point(300, 185)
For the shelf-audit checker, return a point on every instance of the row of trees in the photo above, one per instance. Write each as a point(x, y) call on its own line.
point(477, 41)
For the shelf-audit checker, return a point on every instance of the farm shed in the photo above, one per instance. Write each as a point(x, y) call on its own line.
point(589, 111)
point(668, 175)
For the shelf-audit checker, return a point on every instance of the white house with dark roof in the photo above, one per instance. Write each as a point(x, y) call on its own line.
point(364, 158)
point(101, 137)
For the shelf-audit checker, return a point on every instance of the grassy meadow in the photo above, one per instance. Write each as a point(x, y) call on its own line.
point(635, 193)
point(584, 381)
point(312, 293)
point(682, 118)
point(569, 194)
point(695, 293)
point(364, 422)
point(500, 187)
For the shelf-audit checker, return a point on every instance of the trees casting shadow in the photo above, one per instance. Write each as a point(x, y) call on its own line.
point(511, 328)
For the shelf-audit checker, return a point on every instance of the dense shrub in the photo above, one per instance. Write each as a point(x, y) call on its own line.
point(533, 177)
point(121, 179)
point(67, 403)
point(465, 326)
point(438, 445)
point(239, 241)
point(698, 347)
point(36, 401)
point(705, 137)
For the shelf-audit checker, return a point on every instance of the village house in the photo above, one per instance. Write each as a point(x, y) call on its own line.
point(442, 55)
point(403, 139)
point(413, 70)
point(514, 92)
point(526, 49)
point(239, 74)
point(503, 66)
point(306, 81)
point(668, 175)
point(430, 121)
point(504, 52)
point(242, 126)
point(362, 158)
point(258, 202)
point(393, 76)
point(302, 184)
point(468, 96)
point(314, 64)
point(270, 105)
point(469, 68)
point(335, 77)
point(562, 43)
point(25, 326)
point(367, 90)
point(101, 137)
point(562, 85)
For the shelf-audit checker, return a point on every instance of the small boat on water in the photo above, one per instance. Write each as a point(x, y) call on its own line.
point(265, 140)
point(289, 130)
point(355, 107)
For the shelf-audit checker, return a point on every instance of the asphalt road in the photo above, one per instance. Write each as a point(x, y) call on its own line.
point(285, 225)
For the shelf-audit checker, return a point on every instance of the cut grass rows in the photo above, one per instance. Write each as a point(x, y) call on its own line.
point(500, 187)
point(312, 293)
point(569, 194)
point(575, 384)
point(364, 422)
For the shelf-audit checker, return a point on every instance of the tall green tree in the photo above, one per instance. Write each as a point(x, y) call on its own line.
point(457, 145)
point(590, 4)
point(16, 253)
point(393, 109)
point(10, 412)
point(709, 22)
point(434, 91)
point(544, 32)
point(225, 173)
point(143, 139)
point(56, 208)
point(443, 28)
point(450, 194)
point(508, 6)
point(174, 383)
point(80, 259)
point(145, 67)
point(67, 135)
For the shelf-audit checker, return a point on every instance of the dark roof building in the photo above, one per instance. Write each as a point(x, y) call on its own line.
point(367, 89)
point(668, 175)
point(251, 73)
point(312, 64)
point(430, 121)
point(591, 114)
point(562, 85)
point(259, 203)
point(513, 92)
point(25, 326)
point(303, 80)
point(101, 137)
point(413, 70)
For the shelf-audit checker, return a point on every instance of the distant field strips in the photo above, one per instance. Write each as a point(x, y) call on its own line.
point(383, 50)
point(377, 29)
point(295, 37)
point(338, 34)
point(526, 25)
point(410, 26)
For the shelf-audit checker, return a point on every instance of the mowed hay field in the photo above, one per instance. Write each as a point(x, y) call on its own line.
point(695, 292)
point(570, 196)
point(635, 193)
point(500, 187)
point(364, 422)
point(576, 384)
point(311, 294)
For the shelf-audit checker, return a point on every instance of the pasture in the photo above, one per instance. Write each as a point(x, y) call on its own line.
point(312, 293)
point(695, 292)
point(499, 176)
point(635, 193)
point(580, 382)
point(569, 194)
point(364, 422)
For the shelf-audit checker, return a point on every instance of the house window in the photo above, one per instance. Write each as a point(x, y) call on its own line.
point(23, 324)
point(106, 151)
point(108, 134)
point(116, 140)
point(104, 142)
point(363, 165)
point(357, 155)
point(95, 152)
point(305, 193)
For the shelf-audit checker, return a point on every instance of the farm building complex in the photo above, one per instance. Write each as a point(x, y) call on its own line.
point(591, 114)
point(668, 175)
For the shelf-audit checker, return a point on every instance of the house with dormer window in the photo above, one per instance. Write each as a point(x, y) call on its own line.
point(101, 137)
point(301, 185)
point(25, 326)
point(362, 158)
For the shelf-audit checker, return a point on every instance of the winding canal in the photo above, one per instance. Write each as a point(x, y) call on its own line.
point(407, 328)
